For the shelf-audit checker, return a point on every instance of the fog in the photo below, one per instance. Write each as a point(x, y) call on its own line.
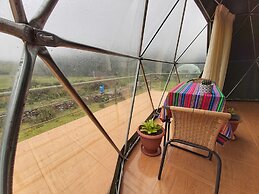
point(116, 25)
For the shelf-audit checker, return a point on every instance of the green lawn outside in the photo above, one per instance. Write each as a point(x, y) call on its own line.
point(62, 118)
point(67, 116)
point(6, 82)
point(29, 130)
point(41, 81)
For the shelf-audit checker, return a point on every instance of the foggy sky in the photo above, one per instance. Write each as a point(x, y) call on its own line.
point(115, 25)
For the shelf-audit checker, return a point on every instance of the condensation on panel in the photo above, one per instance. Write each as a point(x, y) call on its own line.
point(113, 25)
point(164, 44)
point(10, 54)
point(194, 25)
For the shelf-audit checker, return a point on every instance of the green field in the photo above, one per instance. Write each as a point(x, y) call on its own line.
point(41, 81)
point(67, 116)
point(48, 96)
point(49, 107)
point(6, 82)
point(45, 97)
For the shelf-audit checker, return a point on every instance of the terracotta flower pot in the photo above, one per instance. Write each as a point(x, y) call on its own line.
point(234, 125)
point(150, 144)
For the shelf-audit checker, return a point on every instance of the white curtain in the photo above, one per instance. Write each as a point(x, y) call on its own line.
point(217, 59)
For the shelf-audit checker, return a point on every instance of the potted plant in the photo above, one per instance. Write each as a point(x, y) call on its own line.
point(234, 120)
point(151, 135)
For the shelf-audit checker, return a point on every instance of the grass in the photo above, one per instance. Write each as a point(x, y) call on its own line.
point(30, 129)
point(30, 132)
point(47, 96)
point(50, 80)
point(6, 82)
point(160, 85)
point(40, 81)
point(67, 116)
point(64, 117)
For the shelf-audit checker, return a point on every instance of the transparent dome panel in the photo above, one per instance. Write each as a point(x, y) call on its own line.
point(157, 75)
point(97, 23)
point(31, 7)
point(5, 10)
point(187, 71)
point(196, 52)
point(143, 104)
point(47, 106)
point(65, 150)
point(155, 17)
point(104, 82)
point(193, 36)
point(164, 44)
point(10, 53)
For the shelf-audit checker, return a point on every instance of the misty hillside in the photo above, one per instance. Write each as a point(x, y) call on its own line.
point(87, 65)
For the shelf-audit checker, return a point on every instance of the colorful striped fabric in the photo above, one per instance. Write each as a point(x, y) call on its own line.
point(188, 95)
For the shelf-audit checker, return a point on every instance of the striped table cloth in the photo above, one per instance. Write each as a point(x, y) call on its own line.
point(188, 95)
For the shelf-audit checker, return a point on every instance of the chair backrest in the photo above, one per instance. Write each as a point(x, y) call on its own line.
point(197, 126)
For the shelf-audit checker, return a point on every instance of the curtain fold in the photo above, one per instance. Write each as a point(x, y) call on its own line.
point(217, 59)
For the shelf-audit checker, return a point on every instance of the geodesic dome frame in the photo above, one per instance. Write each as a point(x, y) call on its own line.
point(35, 42)
point(242, 75)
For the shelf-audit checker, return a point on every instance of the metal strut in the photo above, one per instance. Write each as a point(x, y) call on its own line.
point(35, 40)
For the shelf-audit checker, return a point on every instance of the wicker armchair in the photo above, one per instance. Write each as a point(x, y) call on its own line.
point(197, 128)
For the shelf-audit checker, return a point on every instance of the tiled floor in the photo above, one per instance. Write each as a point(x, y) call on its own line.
point(186, 173)
point(75, 157)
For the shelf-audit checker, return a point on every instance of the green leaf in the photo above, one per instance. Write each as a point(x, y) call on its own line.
point(150, 127)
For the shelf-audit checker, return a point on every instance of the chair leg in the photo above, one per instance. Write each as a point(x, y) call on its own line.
point(163, 160)
point(210, 155)
point(166, 129)
point(218, 172)
point(168, 132)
